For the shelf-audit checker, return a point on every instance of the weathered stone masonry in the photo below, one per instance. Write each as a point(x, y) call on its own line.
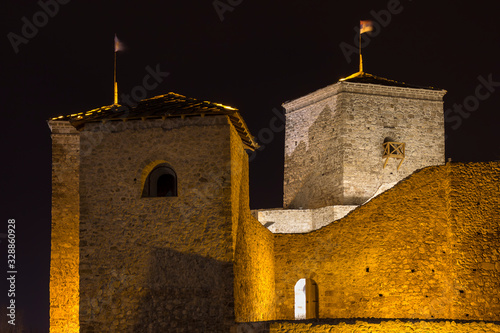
point(64, 259)
point(393, 326)
point(167, 260)
point(334, 137)
point(254, 285)
point(427, 248)
point(200, 262)
point(126, 263)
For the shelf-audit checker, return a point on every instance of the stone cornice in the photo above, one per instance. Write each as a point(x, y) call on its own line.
point(363, 88)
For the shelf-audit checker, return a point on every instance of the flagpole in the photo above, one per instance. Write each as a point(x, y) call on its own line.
point(360, 56)
point(116, 84)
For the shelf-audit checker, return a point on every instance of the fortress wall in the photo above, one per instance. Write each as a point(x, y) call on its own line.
point(254, 286)
point(395, 326)
point(323, 216)
point(475, 224)
point(163, 263)
point(64, 255)
point(396, 257)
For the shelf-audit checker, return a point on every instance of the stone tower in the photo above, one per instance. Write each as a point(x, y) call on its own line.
point(146, 201)
point(353, 139)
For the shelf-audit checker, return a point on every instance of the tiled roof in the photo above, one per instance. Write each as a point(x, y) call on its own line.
point(362, 77)
point(163, 106)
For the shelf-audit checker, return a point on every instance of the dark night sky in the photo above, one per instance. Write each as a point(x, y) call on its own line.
point(262, 54)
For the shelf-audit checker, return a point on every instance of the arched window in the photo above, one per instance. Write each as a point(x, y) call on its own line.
point(161, 182)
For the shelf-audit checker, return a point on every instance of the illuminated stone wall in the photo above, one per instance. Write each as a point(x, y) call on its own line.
point(159, 264)
point(254, 286)
point(64, 256)
point(334, 136)
point(199, 262)
point(156, 264)
point(281, 220)
point(475, 226)
point(395, 326)
point(427, 248)
point(313, 151)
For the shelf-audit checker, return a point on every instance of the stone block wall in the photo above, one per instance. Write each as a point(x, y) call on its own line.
point(374, 113)
point(408, 253)
point(285, 220)
point(161, 264)
point(64, 257)
point(281, 220)
point(334, 137)
point(475, 226)
point(393, 326)
point(198, 262)
point(254, 285)
point(255, 298)
point(313, 151)
point(323, 216)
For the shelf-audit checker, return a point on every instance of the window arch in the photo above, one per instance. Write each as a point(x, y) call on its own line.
point(161, 182)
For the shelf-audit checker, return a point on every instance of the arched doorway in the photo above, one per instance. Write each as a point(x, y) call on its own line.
point(306, 299)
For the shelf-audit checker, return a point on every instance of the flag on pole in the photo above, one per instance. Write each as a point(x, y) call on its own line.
point(118, 45)
point(365, 26)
